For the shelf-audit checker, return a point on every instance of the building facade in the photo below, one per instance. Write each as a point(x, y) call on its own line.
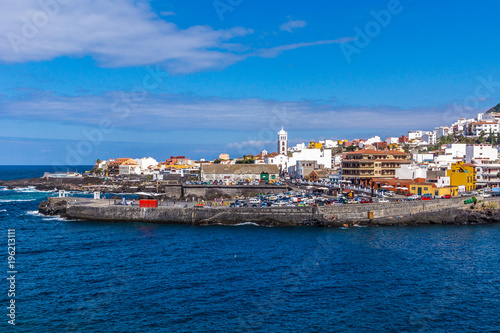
point(361, 166)
point(236, 172)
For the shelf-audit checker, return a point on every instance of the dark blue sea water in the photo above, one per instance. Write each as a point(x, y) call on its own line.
point(76, 276)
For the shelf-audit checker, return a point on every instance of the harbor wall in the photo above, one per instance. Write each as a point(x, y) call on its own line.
point(337, 215)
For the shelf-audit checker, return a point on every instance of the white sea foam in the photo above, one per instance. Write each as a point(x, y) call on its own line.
point(30, 189)
point(3, 210)
point(46, 217)
point(34, 213)
point(246, 223)
point(56, 218)
point(16, 200)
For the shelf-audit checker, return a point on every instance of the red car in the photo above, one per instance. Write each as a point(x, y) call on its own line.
point(447, 196)
point(366, 201)
point(426, 198)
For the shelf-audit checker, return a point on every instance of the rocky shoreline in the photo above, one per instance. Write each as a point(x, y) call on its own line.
point(74, 184)
point(449, 216)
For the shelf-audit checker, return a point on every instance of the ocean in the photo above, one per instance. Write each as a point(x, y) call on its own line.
point(79, 276)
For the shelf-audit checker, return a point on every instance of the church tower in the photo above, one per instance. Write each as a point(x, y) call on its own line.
point(282, 142)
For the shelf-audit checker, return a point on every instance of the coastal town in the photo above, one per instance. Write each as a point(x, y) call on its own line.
point(457, 159)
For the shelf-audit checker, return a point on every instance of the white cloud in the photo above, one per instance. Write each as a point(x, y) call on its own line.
point(291, 25)
point(120, 33)
point(116, 33)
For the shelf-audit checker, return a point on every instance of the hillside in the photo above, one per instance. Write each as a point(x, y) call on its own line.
point(494, 109)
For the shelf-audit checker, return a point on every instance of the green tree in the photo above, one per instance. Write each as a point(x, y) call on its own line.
point(481, 137)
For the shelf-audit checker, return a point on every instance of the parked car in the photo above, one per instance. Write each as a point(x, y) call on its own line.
point(486, 195)
point(382, 200)
point(426, 198)
point(446, 196)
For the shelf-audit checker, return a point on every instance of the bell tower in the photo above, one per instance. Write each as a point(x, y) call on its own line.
point(282, 142)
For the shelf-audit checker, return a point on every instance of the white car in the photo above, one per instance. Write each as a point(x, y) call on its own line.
point(383, 200)
point(486, 195)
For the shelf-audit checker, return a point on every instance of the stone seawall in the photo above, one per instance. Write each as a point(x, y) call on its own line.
point(364, 214)
point(209, 192)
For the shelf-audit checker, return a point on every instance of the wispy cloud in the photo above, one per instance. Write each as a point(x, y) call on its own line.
point(292, 25)
point(276, 51)
point(176, 112)
point(249, 143)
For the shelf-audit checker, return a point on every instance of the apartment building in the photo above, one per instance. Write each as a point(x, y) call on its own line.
point(361, 166)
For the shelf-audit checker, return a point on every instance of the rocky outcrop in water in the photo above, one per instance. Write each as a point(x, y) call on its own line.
point(56, 208)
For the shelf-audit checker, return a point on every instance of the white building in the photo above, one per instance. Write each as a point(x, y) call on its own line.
point(145, 164)
point(298, 147)
point(442, 131)
point(392, 140)
point(421, 158)
point(456, 150)
point(129, 169)
point(487, 173)
point(485, 127)
point(407, 171)
point(415, 135)
point(330, 143)
point(480, 152)
point(281, 160)
point(322, 156)
point(282, 142)
point(430, 137)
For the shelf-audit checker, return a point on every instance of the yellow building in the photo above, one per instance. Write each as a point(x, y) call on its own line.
point(314, 145)
point(432, 189)
point(462, 175)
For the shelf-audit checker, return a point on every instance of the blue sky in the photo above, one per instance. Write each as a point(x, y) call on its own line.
point(81, 80)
